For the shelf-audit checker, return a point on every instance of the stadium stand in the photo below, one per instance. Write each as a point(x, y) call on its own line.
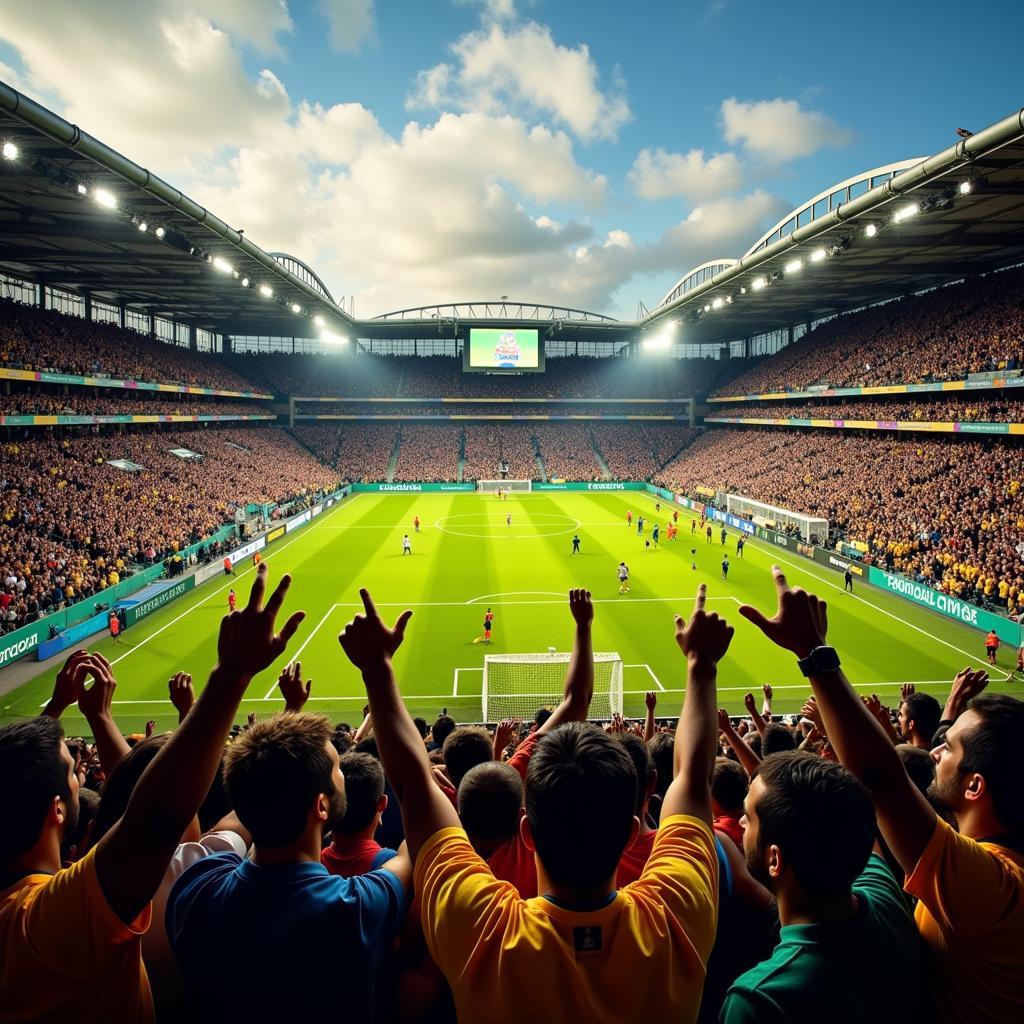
point(429, 451)
point(34, 339)
point(360, 452)
point(947, 512)
point(945, 334)
point(97, 402)
point(486, 445)
point(976, 409)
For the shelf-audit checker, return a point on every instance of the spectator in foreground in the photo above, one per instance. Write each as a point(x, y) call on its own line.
point(809, 832)
point(969, 884)
point(70, 938)
point(284, 781)
point(585, 951)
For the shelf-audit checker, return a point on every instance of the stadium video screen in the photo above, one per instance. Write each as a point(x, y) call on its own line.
point(503, 350)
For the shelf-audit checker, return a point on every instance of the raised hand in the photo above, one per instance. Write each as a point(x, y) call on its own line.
point(651, 700)
point(294, 691)
point(705, 638)
point(95, 701)
point(581, 606)
point(767, 690)
point(248, 642)
point(250, 719)
point(150, 727)
point(906, 690)
point(810, 711)
point(724, 721)
point(617, 724)
point(503, 734)
point(800, 622)
point(68, 683)
point(367, 642)
point(179, 687)
point(968, 684)
point(751, 705)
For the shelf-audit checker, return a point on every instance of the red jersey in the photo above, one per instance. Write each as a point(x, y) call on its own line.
point(348, 856)
point(115, 625)
point(731, 827)
point(634, 859)
point(513, 862)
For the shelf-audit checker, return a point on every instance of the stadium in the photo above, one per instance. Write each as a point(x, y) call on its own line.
point(187, 417)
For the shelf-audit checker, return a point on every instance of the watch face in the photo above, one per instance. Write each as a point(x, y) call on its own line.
point(824, 659)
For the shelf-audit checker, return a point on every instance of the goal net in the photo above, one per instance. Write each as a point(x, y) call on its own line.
point(517, 685)
point(493, 486)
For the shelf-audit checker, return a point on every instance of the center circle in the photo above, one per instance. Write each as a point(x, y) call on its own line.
point(482, 526)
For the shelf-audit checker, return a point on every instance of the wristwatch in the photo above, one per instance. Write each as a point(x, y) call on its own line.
point(821, 659)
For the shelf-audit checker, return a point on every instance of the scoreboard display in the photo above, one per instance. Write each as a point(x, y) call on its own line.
point(503, 350)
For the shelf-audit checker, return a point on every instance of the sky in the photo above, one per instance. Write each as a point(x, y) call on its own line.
point(585, 153)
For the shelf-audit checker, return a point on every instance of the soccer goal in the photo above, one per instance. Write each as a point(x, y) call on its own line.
point(493, 486)
point(517, 685)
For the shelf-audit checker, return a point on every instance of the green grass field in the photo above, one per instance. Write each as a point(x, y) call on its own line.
point(466, 558)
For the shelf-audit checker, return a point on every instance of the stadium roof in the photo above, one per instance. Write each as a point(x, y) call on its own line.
point(55, 230)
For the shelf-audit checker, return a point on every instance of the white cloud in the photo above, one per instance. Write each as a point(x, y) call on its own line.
point(501, 69)
point(657, 174)
point(779, 130)
point(351, 23)
point(497, 10)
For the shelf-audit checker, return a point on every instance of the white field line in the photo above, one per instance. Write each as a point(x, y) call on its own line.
point(878, 608)
point(623, 600)
point(650, 672)
point(345, 503)
point(295, 657)
point(455, 684)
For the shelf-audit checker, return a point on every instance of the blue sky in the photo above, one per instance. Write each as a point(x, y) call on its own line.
point(585, 153)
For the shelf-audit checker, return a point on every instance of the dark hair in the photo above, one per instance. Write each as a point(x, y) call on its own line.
point(118, 789)
point(490, 800)
point(778, 739)
point(543, 714)
point(728, 784)
point(662, 748)
point(367, 746)
point(33, 773)
point(642, 765)
point(580, 800)
point(465, 748)
point(72, 844)
point(918, 764)
point(274, 771)
point(820, 816)
point(442, 729)
point(990, 750)
point(421, 727)
point(753, 740)
point(364, 786)
point(925, 712)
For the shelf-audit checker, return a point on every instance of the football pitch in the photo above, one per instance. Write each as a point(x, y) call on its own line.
point(468, 558)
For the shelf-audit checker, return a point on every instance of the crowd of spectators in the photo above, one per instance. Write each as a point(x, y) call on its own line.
point(72, 525)
point(924, 409)
point(946, 511)
point(946, 334)
point(36, 339)
point(486, 446)
point(631, 452)
point(103, 402)
point(509, 408)
point(568, 451)
point(429, 451)
point(360, 452)
point(700, 869)
point(359, 375)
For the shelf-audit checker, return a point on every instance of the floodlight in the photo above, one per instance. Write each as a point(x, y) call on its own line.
point(160, 232)
point(794, 266)
point(222, 265)
point(758, 283)
point(10, 151)
point(906, 212)
point(728, 298)
point(743, 290)
point(658, 343)
point(871, 230)
point(105, 198)
point(143, 226)
point(333, 339)
point(718, 304)
point(245, 282)
point(318, 320)
point(266, 291)
point(296, 308)
point(966, 188)
point(818, 255)
point(82, 190)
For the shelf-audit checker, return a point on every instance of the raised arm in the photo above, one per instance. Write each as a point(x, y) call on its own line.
point(365, 729)
point(293, 689)
point(182, 696)
point(370, 646)
point(966, 685)
point(747, 758)
point(132, 857)
point(651, 702)
point(94, 703)
point(800, 625)
point(755, 716)
point(704, 641)
point(579, 679)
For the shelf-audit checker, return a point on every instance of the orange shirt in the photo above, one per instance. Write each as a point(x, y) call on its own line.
point(66, 956)
point(971, 918)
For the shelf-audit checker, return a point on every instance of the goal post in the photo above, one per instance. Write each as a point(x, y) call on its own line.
point(493, 486)
point(518, 685)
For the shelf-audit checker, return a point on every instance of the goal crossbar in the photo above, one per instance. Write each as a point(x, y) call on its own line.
point(518, 685)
